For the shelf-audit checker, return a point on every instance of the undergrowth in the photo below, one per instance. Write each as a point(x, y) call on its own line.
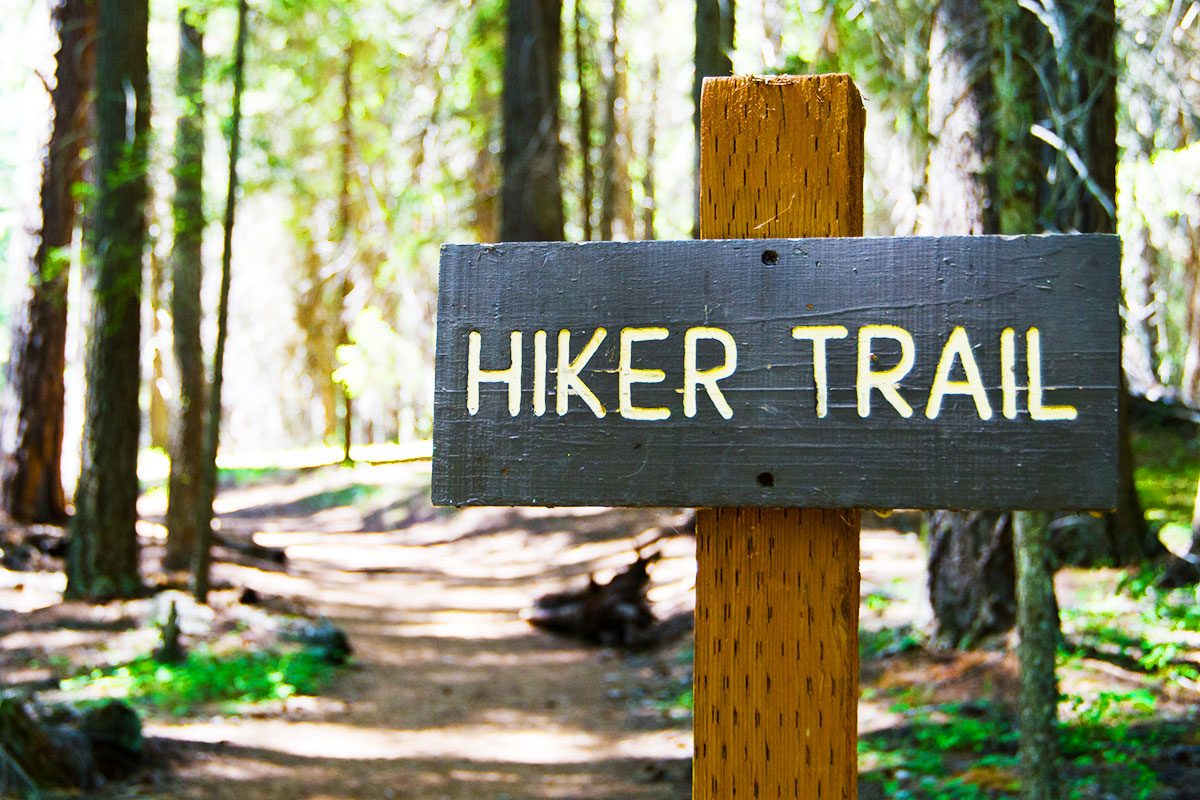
point(230, 680)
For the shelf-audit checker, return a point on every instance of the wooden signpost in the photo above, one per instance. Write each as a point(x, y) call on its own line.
point(778, 384)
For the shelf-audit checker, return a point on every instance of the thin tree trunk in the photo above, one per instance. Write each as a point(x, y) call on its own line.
point(1191, 362)
point(187, 270)
point(1039, 629)
point(714, 44)
point(158, 413)
point(972, 577)
point(611, 176)
point(342, 235)
point(31, 431)
point(961, 98)
point(1144, 332)
point(1085, 202)
point(102, 558)
point(531, 207)
point(582, 66)
point(649, 205)
point(212, 431)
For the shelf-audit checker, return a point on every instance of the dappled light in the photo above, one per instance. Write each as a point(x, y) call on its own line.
point(592, 399)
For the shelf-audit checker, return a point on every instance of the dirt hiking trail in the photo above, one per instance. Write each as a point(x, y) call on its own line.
point(451, 694)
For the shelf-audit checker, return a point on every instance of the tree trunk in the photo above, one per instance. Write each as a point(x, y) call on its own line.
point(649, 204)
point(961, 99)
point(612, 177)
point(342, 235)
point(31, 431)
point(531, 207)
point(1144, 339)
point(972, 575)
point(158, 413)
point(212, 431)
point(1191, 362)
point(714, 43)
point(1039, 626)
point(1194, 551)
point(1084, 200)
point(187, 270)
point(102, 560)
point(582, 66)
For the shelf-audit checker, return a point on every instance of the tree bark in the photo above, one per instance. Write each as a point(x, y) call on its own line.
point(1191, 362)
point(714, 43)
point(102, 560)
point(1039, 627)
point(342, 235)
point(649, 203)
point(582, 65)
point(32, 425)
point(1145, 334)
point(961, 99)
point(612, 176)
point(972, 575)
point(187, 270)
point(1084, 199)
point(159, 414)
point(531, 207)
point(212, 431)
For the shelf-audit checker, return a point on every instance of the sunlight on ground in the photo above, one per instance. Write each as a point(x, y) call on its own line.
point(513, 738)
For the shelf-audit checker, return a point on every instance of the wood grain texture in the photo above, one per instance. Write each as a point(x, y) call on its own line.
point(778, 654)
point(1064, 285)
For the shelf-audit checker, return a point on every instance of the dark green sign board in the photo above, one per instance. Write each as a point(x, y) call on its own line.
point(923, 372)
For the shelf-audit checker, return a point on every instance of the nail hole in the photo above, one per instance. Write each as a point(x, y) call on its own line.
point(770, 258)
point(766, 479)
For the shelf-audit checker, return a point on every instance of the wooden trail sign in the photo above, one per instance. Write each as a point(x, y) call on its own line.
point(741, 376)
point(956, 372)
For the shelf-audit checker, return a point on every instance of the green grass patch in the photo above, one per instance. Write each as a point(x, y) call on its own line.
point(969, 752)
point(205, 679)
point(1168, 464)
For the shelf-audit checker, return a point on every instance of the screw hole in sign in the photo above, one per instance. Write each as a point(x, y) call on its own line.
point(770, 258)
point(766, 479)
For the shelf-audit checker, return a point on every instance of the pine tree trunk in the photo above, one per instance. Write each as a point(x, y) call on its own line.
point(972, 576)
point(714, 44)
point(342, 234)
point(158, 413)
point(961, 98)
point(611, 176)
point(649, 203)
point(1144, 332)
point(1085, 202)
point(212, 430)
point(103, 553)
point(531, 207)
point(187, 269)
point(1039, 627)
point(1191, 362)
point(31, 431)
point(582, 65)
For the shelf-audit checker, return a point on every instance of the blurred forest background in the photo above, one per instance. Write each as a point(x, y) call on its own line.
point(373, 133)
point(349, 140)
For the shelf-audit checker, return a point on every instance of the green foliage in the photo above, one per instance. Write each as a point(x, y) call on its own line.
point(887, 641)
point(1168, 463)
point(968, 751)
point(204, 679)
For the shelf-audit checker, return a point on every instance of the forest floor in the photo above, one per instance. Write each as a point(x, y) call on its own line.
point(451, 694)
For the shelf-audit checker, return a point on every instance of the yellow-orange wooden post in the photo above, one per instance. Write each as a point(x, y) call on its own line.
point(776, 681)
